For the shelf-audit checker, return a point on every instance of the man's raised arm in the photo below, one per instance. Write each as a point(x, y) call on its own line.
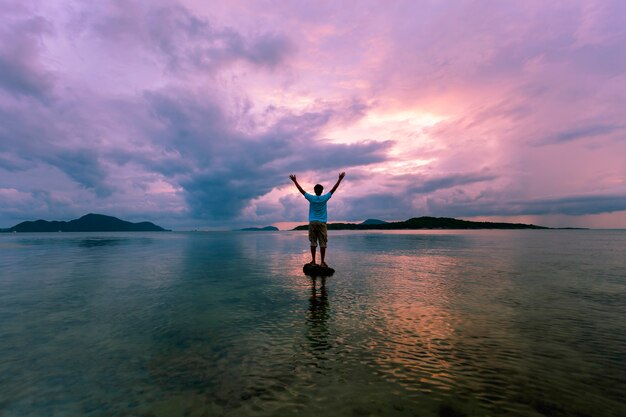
point(343, 174)
point(295, 181)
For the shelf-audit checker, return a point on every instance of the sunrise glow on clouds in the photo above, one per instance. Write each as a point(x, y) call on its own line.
point(192, 114)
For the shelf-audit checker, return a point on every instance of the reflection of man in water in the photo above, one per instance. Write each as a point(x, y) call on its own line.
point(318, 303)
point(317, 318)
point(318, 216)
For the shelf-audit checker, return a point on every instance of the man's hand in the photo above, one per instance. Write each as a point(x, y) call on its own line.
point(295, 181)
point(343, 174)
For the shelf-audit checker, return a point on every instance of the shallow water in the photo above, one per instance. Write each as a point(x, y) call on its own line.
point(420, 323)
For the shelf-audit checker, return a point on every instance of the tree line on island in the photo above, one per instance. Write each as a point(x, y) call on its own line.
point(424, 222)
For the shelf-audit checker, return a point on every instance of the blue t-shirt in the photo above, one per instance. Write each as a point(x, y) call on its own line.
point(317, 206)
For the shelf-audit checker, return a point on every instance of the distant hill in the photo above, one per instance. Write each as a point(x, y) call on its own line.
point(260, 229)
point(426, 223)
point(88, 223)
point(373, 221)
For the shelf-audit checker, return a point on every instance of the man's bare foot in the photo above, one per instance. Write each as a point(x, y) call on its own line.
point(323, 265)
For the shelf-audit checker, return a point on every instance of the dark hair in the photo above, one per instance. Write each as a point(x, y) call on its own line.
point(318, 189)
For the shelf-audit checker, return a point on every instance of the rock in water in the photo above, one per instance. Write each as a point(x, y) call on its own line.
point(317, 270)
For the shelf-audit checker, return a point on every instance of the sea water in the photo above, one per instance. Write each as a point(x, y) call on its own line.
point(416, 323)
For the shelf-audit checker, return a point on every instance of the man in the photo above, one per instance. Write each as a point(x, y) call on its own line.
point(318, 216)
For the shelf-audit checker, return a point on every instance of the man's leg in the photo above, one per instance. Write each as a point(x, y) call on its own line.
point(313, 241)
point(323, 238)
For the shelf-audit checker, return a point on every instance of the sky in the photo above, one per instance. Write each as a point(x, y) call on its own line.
point(192, 114)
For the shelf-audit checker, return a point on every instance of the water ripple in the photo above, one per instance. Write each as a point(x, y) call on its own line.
point(430, 324)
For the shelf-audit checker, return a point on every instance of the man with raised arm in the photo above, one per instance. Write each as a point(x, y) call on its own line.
point(318, 216)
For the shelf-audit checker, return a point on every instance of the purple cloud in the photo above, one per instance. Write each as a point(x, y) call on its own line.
point(22, 71)
point(227, 168)
point(569, 205)
point(178, 38)
point(194, 115)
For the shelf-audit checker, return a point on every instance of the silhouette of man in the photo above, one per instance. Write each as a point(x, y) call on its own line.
point(318, 216)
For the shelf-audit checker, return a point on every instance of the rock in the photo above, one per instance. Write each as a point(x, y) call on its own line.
point(317, 270)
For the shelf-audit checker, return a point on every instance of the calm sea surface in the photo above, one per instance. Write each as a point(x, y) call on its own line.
point(420, 323)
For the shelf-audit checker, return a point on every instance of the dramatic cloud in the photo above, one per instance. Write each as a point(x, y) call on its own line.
point(226, 168)
point(22, 71)
point(193, 114)
point(492, 205)
point(177, 38)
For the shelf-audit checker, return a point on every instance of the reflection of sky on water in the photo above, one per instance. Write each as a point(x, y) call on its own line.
point(417, 337)
point(499, 322)
point(431, 313)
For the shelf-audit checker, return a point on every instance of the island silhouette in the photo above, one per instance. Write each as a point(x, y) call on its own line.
point(102, 223)
point(88, 223)
point(259, 229)
point(424, 223)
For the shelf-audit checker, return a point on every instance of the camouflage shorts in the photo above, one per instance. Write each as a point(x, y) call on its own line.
point(318, 232)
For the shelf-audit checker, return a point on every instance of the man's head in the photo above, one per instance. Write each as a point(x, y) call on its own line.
point(318, 189)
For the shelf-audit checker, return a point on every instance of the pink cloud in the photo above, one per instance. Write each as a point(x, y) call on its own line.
point(459, 108)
